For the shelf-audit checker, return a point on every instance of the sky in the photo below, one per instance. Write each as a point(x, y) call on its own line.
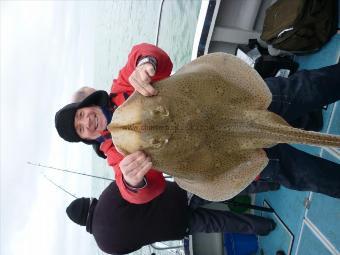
point(42, 63)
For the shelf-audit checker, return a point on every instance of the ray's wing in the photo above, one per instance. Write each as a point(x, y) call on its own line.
point(228, 184)
point(220, 78)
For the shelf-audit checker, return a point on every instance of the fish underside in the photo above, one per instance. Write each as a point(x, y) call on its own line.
point(208, 126)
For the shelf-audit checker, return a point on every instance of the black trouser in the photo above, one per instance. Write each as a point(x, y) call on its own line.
point(210, 221)
point(304, 91)
point(294, 97)
point(298, 170)
point(261, 185)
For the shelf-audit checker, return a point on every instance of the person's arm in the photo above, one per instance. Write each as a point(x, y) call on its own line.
point(146, 64)
point(150, 185)
point(154, 186)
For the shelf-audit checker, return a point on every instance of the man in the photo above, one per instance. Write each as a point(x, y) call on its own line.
point(120, 227)
point(293, 97)
point(137, 182)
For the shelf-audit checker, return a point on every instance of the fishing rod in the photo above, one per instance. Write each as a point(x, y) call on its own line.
point(159, 22)
point(230, 202)
point(248, 206)
point(68, 171)
point(74, 172)
point(58, 186)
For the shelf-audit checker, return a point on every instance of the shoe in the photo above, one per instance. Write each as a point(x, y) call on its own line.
point(271, 227)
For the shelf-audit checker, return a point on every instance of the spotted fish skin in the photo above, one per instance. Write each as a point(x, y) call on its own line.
point(208, 126)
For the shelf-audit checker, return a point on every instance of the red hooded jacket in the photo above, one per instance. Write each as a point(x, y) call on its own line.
point(155, 180)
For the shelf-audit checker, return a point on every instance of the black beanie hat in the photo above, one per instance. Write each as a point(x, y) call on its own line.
point(64, 118)
point(78, 210)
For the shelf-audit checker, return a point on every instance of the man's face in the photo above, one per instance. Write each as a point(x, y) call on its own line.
point(89, 121)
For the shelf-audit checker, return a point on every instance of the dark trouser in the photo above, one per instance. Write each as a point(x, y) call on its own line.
point(261, 185)
point(210, 221)
point(298, 170)
point(294, 97)
point(204, 220)
point(304, 91)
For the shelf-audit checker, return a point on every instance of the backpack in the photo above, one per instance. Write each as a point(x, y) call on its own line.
point(300, 26)
point(266, 65)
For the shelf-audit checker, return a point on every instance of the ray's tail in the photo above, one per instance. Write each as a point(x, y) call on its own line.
point(287, 134)
point(268, 129)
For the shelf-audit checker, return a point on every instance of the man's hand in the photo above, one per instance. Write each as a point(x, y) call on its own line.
point(134, 167)
point(140, 79)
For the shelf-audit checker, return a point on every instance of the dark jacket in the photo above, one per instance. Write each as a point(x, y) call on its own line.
point(121, 227)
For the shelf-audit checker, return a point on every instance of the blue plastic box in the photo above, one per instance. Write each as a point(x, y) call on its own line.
point(240, 244)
